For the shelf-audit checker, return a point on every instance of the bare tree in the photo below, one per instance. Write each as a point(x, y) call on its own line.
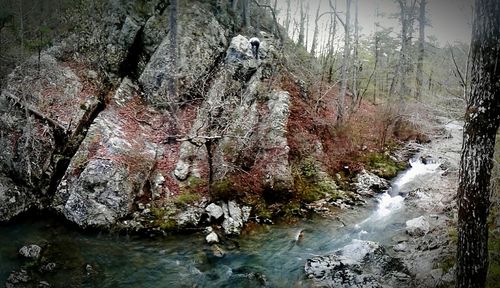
point(481, 125)
point(234, 5)
point(345, 61)
point(302, 23)
point(357, 64)
point(407, 17)
point(316, 31)
point(287, 19)
point(421, 49)
point(246, 13)
point(171, 80)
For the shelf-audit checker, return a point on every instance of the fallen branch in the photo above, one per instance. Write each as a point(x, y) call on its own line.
point(58, 127)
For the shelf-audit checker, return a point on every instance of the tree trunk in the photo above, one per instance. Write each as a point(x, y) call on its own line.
point(481, 126)
point(315, 33)
point(345, 63)
point(246, 13)
point(171, 84)
point(356, 66)
point(302, 24)
point(287, 19)
point(306, 44)
point(421, 51)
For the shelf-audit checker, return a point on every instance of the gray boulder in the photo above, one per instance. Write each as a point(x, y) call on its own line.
point(110, 167)
point(14, 199)
point(358, 264)
point(212, 238)
point(417, 226)
point(214, 211)
point(234, 217)
point(30, 251)
point(201, 39)
point(275, 144)
point(367, 183)
point(189, 217)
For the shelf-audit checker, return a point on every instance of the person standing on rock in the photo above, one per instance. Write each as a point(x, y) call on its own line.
point(255, 42)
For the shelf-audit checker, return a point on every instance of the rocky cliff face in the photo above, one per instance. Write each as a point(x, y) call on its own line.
point(107, 146)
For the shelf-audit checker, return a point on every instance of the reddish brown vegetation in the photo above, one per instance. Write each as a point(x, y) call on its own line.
point(312, 125)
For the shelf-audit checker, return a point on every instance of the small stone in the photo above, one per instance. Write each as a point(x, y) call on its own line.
point(417, 226)
point(30, 251)
point(246, 210)
point(49, 267)
point(217, 251)
point(214, 211)
point(212, 238)
point(43, 284)
point(401, 247)
point(17, 277)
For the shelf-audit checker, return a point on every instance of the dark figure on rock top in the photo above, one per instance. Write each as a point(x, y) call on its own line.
point(255, 42)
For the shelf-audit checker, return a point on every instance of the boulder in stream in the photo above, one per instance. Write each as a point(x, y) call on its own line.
point(368, 184)
point(30, 251)
point(358, 264)
point(417, 226)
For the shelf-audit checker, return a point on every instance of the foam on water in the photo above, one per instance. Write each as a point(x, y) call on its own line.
point(417, 169)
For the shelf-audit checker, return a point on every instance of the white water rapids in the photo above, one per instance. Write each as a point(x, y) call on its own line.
point(391, 202)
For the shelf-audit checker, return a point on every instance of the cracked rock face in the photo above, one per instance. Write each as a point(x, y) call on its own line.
point(201, 39)
point(108, 170)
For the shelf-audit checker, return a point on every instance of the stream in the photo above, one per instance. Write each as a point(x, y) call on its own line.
point(271, 255)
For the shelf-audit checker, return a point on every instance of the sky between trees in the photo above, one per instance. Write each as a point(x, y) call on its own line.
point(449, 20)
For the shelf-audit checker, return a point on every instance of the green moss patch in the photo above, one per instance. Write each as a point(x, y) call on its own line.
point(382, 165)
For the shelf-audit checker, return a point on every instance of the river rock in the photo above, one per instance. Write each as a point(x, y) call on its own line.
point(49, 267)
point(30, 251)
point(17, 279)
point(189, 217)
point(214, 211)
point(417, 226)
point(212, 238)
point(368, 184)
point(233, 218)
point(400, 247)
point(217, 251)
point(358, 264)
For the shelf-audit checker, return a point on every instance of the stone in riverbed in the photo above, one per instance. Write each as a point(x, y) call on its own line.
point(30, 251)
point(368, 184)
point(234, 217)
point(212, 238)
point(358, 264)
point(217, 251)
point(17, 279)
point(417, 226)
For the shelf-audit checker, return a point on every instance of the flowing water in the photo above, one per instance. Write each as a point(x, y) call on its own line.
point(273, 254)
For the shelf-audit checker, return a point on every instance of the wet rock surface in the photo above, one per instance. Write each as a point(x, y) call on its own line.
point(359, 264)
point(30, 251)
point(369, 184)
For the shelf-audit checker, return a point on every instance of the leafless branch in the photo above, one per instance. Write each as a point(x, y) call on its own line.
point(56, 125)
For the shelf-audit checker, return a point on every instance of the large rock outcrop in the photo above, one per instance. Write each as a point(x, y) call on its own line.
point(201, 41)
point(111, 166)
point(42, 108)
